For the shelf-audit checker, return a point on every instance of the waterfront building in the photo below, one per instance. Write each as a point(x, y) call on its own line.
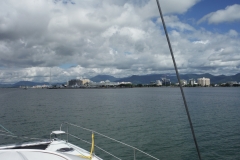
point(232, 83)
point(166, 82)
point(74, 82)
point(158, 83)
point(203, 81)
point(183, 82)
point(108, 83)
point(84, 81)
point(125, 82)
point(78, 82)
point(41, 86)
point(192, 82)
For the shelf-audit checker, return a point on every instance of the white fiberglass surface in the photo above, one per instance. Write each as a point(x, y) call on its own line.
point(31, 155)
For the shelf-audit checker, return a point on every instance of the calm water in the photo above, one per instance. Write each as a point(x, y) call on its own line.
point(151, 119)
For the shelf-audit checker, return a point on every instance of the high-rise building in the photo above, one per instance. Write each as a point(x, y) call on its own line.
point(191, 82)
point(203, 81)
point(166, 82)
point(78, 82)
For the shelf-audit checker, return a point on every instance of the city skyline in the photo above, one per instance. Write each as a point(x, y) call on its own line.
point(191, 79)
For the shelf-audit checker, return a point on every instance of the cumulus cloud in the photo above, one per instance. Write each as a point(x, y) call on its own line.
point(118, 38)
point(201, 42)
point(174, 23)
point(233, 33)
point(229, 14)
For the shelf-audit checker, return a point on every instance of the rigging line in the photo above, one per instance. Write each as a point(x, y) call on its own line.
point(6, 129)
point(178, 77)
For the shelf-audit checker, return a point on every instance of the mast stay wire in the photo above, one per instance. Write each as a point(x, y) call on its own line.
point(7, 131)
point(178, 77)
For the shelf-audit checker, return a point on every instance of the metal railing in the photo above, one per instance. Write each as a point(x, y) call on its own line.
point(92, 131)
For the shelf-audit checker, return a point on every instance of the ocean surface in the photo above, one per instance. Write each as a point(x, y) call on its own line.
point(151, 119)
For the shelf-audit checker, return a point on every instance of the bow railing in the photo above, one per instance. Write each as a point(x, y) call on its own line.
point(102, 135)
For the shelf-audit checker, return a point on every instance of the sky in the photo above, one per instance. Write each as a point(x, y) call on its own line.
point(70, 39)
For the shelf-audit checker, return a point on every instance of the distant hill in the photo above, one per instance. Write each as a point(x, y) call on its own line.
point(146, 79)
point(99, 78)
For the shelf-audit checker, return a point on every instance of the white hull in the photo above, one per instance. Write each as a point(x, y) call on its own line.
point(52, 152)
point(57, 149)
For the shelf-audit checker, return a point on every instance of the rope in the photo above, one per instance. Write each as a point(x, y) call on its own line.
point(92, 149)
point(178, 77)
point(94, 145)
point(83, 141)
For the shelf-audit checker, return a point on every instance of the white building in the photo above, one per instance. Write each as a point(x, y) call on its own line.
point(183, 82)
point(203, 81)
point(158, 83)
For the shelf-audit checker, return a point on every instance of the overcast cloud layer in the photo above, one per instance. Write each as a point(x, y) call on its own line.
point(119, 38)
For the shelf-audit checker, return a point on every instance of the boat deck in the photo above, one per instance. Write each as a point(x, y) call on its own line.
point(49, 150)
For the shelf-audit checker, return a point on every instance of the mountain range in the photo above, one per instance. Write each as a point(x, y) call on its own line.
point(142, 79)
